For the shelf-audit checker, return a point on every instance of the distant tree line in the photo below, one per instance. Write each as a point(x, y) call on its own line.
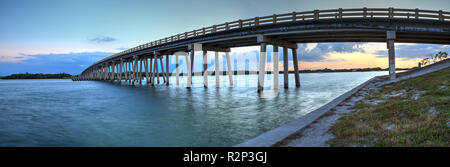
point(37, 76)
point(246, 72)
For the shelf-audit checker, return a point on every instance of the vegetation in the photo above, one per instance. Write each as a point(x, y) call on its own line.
point(414, 112)
point(433, 59)
point(37, 76)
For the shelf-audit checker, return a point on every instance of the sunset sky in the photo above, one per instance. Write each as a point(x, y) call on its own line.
point(52, 36)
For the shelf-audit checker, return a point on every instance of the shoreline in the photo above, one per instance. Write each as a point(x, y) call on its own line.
point(311, 129)
point(33, 78)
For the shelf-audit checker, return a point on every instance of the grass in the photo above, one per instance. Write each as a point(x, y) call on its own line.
point(400, 120)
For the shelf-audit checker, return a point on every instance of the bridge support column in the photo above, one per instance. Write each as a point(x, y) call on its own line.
point(135, 64)
point(109, 72)
point(120, 69)
point(140, 70)
point(157, 69)
point(216, 65)
point(390, 36)
point(125, 71)
point(205, 68)
point(155, 65)
point(192, 62)
point(135, 70)
point(110, 68)
point(229, 70)
point(163, 74)
point(262, 66)
point(294, 58)
point(113, 77)
point(189, 64)
point(105, 77)
point(146, 68)
point(100, 74)
point(167, 69)
point(106, 72)
point(177, 72)
point(151, 70)
point(130, 67)
point(275, 67)
point(285, 67)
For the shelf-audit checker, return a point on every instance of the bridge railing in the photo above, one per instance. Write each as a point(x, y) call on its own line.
point(299, 16)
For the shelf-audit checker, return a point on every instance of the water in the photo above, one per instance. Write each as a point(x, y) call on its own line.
point(59, 112)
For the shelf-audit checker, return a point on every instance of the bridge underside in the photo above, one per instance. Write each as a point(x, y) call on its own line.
point(346, 30)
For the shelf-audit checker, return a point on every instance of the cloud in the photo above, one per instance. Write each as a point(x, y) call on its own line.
point(122, 48)
point(102, 39)
point(72, 63)
point(318, 51)
point(413, 51)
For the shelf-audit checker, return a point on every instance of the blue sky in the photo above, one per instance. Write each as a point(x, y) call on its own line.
point(36, 34)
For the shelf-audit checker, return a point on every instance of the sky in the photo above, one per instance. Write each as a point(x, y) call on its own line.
point(53, 36)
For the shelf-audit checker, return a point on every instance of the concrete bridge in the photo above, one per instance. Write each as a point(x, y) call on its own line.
point(388, 25)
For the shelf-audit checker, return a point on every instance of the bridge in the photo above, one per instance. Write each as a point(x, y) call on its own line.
point(388, 25)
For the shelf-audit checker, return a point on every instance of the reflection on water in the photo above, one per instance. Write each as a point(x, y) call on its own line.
point(94, 113)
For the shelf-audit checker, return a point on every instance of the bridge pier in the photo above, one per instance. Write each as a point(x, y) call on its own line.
point(113, 66)
point(390, 37)
point(163, 74)
point(263, 40)
point(105, 77)
point(124, 69)
point(275, 67)
point(146, 68)
point(177, 72)
point(129, 70)
point(229, 70)
point(110, 68)
point(151, 70)
point(189, 64)
point(205, 68)
point(294, 58)
point(140, 70)
point(121, 69)
point(167, 70)
point(154, 70)
point(135, 64)
point(216, 68)
point(105, 71)
point(262, 66)
point(285, 67)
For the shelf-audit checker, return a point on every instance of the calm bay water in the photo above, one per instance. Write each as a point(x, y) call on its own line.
point(59, 112)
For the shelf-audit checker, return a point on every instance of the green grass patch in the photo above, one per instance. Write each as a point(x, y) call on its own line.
point(400, 120)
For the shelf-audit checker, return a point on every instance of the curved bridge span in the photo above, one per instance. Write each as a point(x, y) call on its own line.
point(388, 25)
